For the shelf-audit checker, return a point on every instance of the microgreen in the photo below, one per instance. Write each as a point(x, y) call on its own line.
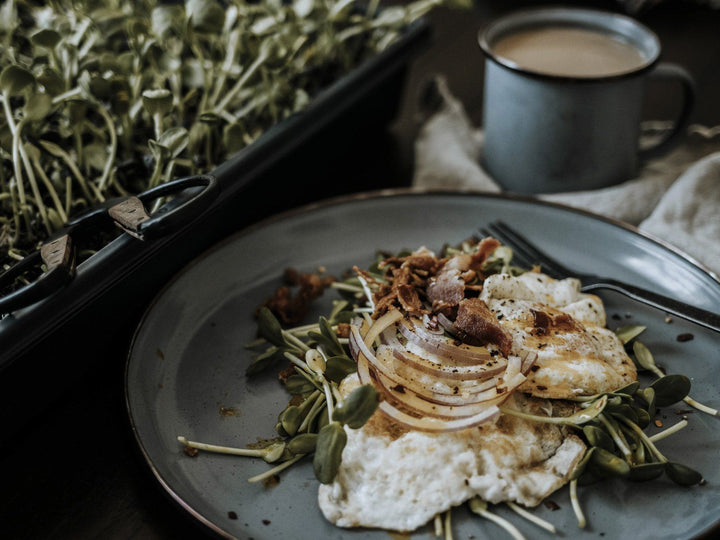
point(119, 97)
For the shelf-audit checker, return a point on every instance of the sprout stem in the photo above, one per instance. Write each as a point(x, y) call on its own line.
point(241, 82)
point(16, 162)
point(19, 183)
point(292, 340)
point(329, 399)
point(447, 523)
point(532, 517)
point(74, 92)
point(14, 254)
point(284, 465)
point(103, 182)
point(669, 431)
point(479, 507)
point(63, 155)
point(230, 50)
point(218, 449)
point(616, 437)
point(157, 124)
point(300, 366)
point(584, 415)
point(367, 291)
point(658, 455)
point(68, 194)
point(699, 406)
point(438, 525)
point(51, 189)
point(576, 504)
point(346, 287)
point(319, 402)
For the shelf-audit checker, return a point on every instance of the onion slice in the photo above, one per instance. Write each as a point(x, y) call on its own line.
point(425, 395)
point(426, 387)
point(379, 326)
point(462, 354)
point(460, 373)
point(425, 423)
point(438, 406)
point(412, 366)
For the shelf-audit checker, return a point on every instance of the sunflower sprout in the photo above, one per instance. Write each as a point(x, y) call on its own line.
point(271, 472)
point(532, 517)
point(479, 507)
point(438, 525)
point(447, 524)
point(669, 431)
point(269, 453)
point(699, 406)
point(576, 504)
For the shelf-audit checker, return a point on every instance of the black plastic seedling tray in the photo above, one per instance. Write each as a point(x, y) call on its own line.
point(45, 346)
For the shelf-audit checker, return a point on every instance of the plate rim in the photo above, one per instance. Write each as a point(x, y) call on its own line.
point(422, 192)
point(350, 199)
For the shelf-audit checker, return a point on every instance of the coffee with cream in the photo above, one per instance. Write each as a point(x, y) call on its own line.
point(569, 52)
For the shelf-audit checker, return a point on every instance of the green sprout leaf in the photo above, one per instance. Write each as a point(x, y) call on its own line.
point(358, 407)
point(15, 79)
point(175, 139)
point(644, 357)
point(682, 475)
point(646, 471)
point(159, 101)
point(47, 38)
point(205, 15)
point(269, 327)
point(328, 452)
point(298, 385)
point(670, 389)
point(628, 333)
point(339, 367)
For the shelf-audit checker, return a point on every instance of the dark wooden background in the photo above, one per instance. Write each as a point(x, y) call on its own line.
point(73, 471)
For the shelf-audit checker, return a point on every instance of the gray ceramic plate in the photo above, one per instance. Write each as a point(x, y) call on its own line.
point(187, 361)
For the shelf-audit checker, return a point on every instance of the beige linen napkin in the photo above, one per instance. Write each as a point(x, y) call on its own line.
point(675, 198)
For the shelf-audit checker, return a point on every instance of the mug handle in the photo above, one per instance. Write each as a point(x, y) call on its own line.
point(669, 72)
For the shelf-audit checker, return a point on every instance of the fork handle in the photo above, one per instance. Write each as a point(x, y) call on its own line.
point(685, 311)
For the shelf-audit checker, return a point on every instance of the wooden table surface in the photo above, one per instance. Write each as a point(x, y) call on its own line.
point(74, 470)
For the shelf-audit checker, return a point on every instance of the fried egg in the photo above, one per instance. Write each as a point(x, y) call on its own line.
point(399, 480)
point(579, 356)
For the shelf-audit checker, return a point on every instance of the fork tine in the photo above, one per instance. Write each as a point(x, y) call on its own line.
point(522, 246)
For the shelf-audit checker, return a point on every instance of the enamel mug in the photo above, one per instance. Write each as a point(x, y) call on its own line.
point(574, 125)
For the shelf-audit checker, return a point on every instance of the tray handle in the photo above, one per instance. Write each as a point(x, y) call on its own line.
point(58, 255)
point(131, 215)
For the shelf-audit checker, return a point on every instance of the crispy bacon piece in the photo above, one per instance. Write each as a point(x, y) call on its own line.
point(485, 248)
point(475, 320)
point(447, 288)
point(416, 262)
point(292, 308)
point(408, 278)
point(409, 298)
point(544, 322)
point(444, 282)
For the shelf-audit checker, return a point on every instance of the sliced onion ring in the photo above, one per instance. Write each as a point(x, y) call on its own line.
point(469, 378)
point(416, 402)
point(390, 379)
point(379, 326)
point(459, 373)
point(427, 424)
point(463, 354)
point(418, 406)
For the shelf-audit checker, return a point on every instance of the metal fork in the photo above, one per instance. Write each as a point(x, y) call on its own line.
point(527, 254)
